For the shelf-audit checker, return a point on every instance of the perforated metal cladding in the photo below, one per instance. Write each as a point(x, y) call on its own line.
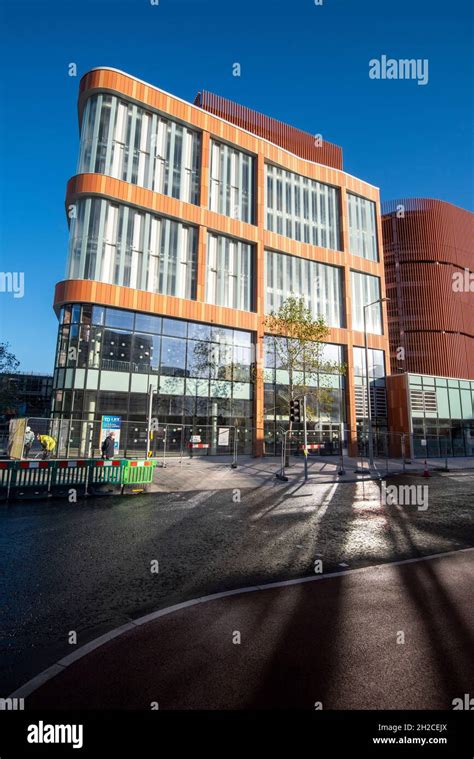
point(429, 257)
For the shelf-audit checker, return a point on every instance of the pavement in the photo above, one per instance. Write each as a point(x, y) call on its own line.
point(215, 472)
point(397, 636)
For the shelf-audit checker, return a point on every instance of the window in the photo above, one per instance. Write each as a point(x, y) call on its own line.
point(146, 353)
point(117, 318)
point(127, 142)
point(302, 208)
point(174, 327)
point(173, 356)
point(146, 323)
point(376, 363)
point(378, 395)
point(365, 290)
point(116, 350)
point(362, 227)
point(199, 359)
point(231, 182)
point(319, 284)
point(229, 272)
point(116, 244)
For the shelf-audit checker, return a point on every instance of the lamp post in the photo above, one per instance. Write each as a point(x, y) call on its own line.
point(369, 412)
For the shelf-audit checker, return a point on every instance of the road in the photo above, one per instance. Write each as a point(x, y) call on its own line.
point(85, 567)
point(391, 637)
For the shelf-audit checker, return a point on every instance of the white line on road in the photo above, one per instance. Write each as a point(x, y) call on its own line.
point(29, 687)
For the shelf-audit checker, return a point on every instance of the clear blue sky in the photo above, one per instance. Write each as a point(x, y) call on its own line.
point(301, 63)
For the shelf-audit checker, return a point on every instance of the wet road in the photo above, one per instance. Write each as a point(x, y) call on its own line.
point(86, 567)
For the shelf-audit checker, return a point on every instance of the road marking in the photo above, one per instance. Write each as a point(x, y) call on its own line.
point(48, 674)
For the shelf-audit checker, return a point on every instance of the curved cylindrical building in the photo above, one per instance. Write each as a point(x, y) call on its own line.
point(429, 256)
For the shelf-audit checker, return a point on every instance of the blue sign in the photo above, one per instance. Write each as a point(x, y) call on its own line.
point(111, 424)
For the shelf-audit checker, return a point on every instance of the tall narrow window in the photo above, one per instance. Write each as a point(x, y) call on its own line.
point(231, 182)
point(365, 290)
point(229, 272)
point(362, 227)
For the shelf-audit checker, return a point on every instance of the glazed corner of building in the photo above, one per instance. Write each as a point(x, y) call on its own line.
point(268, 142)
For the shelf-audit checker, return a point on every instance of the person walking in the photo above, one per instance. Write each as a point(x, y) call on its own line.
point(108, 446)
point(28, 442)
point(48, 444)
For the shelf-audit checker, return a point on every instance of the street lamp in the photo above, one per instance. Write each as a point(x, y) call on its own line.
point(369, 412)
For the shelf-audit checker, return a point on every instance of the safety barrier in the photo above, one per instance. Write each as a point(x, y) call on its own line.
point(138, 472)
point(32, 479)
point(7, 471)
point(40, 479)
point(70, 474)
point(105, 477)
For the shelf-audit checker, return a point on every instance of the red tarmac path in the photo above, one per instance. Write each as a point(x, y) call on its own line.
point(333, 640)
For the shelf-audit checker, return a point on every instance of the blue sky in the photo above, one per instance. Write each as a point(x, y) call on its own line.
point(304, 64)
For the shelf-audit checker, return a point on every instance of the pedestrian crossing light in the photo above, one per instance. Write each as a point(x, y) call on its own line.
point(295, 412)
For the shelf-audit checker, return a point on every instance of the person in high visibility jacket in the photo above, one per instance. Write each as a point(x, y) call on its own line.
point(47, 443)
point(28, 442)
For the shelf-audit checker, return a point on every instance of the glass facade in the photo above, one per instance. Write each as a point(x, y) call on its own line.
point(365, 290)
point(325, 393)
point(229, 268)
point(378, 396)
point(301, 208)
point(442, 414)
point(117, 244)
point(106, 359)
point(231, 182)
point(319, 284)
point(127, 142)
point(362, 227)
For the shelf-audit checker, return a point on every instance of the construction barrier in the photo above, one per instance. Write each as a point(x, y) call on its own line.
point(70, 474)
point(138, 472)
point(105, 476)
point(32, 479)
point(7, 471)
point(41, 479)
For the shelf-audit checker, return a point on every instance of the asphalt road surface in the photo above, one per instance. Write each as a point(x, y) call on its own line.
point(86, 567)
point(392, 637)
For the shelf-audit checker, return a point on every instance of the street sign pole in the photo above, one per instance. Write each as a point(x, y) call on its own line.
point(305, 433)
point(149, 433)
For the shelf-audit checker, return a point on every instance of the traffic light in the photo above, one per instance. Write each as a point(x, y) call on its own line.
point(295, 412)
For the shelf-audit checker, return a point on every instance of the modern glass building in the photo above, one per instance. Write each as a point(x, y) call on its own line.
point(437, 414)
point(189, 223)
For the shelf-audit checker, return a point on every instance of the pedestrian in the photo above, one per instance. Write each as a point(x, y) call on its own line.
point(108, 446)
point(28, 442)
point(47, 443)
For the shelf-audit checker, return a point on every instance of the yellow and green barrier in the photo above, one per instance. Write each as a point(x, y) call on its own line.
point(139, 472)
point(36, 479)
